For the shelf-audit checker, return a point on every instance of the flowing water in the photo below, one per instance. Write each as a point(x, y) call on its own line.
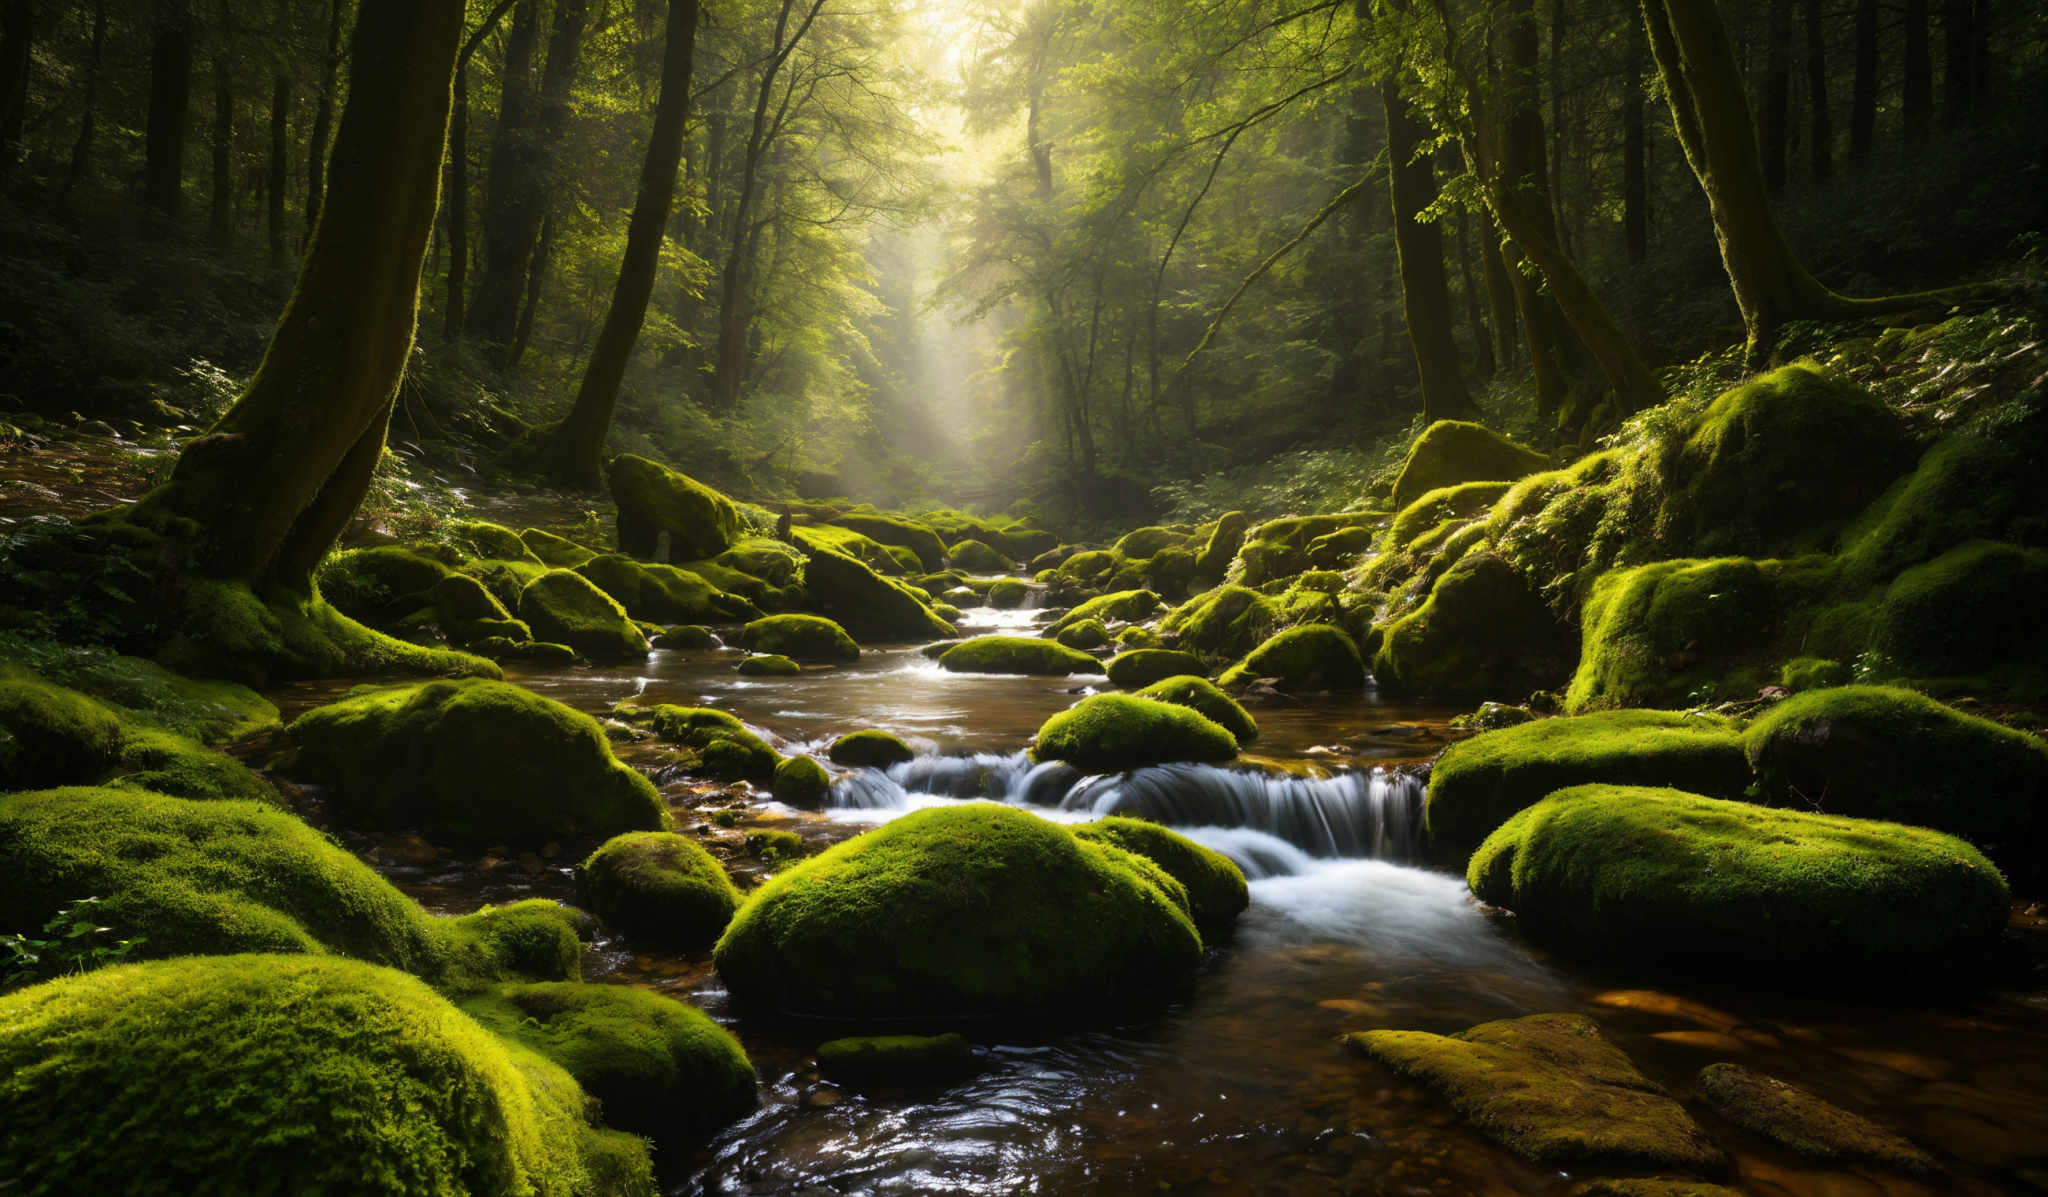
point(1243, 1087)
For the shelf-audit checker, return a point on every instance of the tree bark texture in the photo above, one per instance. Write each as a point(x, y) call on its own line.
point(1425, 295)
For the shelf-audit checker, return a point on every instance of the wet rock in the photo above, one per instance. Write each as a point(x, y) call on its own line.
point(659, 887)
point(1112, 732)
point(1794, 1118)
point(897, 1059)
point(407, 850)
point(869, 749)
point(801, 782)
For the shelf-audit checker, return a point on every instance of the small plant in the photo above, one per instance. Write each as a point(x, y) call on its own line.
point(74, 941)
point(1873, 666)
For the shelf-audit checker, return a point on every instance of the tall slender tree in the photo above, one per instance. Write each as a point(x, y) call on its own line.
point(1426, 296)
point(170, 92)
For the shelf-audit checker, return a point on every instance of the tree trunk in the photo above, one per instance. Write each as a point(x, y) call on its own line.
point(1773, 118)
point(222, 221)
point(1958, 68)
point(1500, 294)
point(1425, 295)
point(17, 41)
point(88, 117)
point(1539, 333)
point(272, 485)
point(1917, 103)
point(323, 117)
point(455, 203)
point(536, 279)
point(280, 147)
point(170, 91)
point(1863, 96)
point(1635, 171)
point(1482, 341)
point(577, 449)
point(1821, 131)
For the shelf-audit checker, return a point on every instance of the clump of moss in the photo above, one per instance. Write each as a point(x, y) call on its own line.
point(1016, 654)
point(1801, 674)
point(686, 636)
point(802, 637)
point(488, 541)
point(284, 1074)
point(168, 763)
point(141, 691)
point(1112, 732)
point(1883, 753)
point(656, 502)
point(890, 530)
point(965, 911)
point(659, 887)
point(1479, 783)
point(1090, 566)
point(897, 1059)
point(557, 551)
point(869, 749)
point(535, 939)
point(770, 665)
point(1460, 502)
point(1641, 873)
point(663, 593)
point(1228, 621)
point(1008, 594)
point(802, 782)
point(565, 608)
point(1124, 605)
point(1968, 486)
point(1796, 1119)
point(49, 735)
point(877, 556)
point(867, 604)
point(977, 557)
point(1216, 888)
point(379, 586)
point(728, 751)
point(1310, 657)
point(1083, 634)
point(1450, 452)
point(1201, 695)
point(1975, 609)
point(1141, 667)
point(1481, 631)
point(1280, 548)
point(1221, 548)
point(471, 762)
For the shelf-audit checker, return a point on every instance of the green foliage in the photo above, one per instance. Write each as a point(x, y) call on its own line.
point(77, 943)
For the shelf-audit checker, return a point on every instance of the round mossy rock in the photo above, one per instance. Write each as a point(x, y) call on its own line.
point(1202, 695)
point(869, 750)
point(801, 637)
point(1138, 668)
point(1228, 621)
point(728, 750)
point(1008, 594)
point(769, 665)
point(1084, 634)
point(976, 556)
point(1016, 654)
point(50, 735)
point(1109, 733)
point(659, 887)
point(974, 911)
point(565, 608)
point(657, 503)
point(1314, 656)
point(1482, 632)
point(801, 782)
point(687, 636)
point(867, 604)
point(1216, 888)
point(1453, 451)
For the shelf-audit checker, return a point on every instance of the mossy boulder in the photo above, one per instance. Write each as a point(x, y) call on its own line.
point(727, 751)
point(688, 637)
point(667, 516)
point(1109, 733)
point(1228, 621)
point(1008, 594)
point(867, 604)
point(167, 763)
point(1968, 486)
point(1016, 654)
point(802, 637)
point(141, 691)
point(1280, 548)
point(1882, 753)
point(1481, 632)
point(1480, 783)
point(660, 888)
point(1450, 452)
point(379, 586)
point(663, 594)
point(1221, 547)
point(552, 550)
point(1552, 1089)
point(976, 911)
point(975, 556)
point(50, 735)
point(473, 763)
point(1801, 674)
point(1089, 566)
point(565, 608)
point(1655, 874)
point(1796, 1119)
point(1460, 502)
point(801, 782)
point(1975, 610)
point(488, 541)
point(1311, 657)
point(1216, 888)
point(1201, 695)
point(1139, 668)
point(890, 530)
point(1082, 634)
point(248, 1074)
point(869, 750)
point(769, 665)
point(1120, 605)
point(897, 1059)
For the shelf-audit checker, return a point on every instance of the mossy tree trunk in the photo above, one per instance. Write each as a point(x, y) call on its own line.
point(1425, 294)
point(577, 448)
point(455, 203)
point(170, 92)
point(270, 488)
point(323, 118)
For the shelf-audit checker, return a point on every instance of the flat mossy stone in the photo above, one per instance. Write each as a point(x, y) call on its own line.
point(248, 1074)
point(1138, 668)
point(566, 608)
point(867, 604)
point(669, 516)
point(1227, 621)
point(1482, 632)
point(1082, 634)
point(1109, 733)
point(728, 750)
point(960, 912)
point(1879, 752)
point(769, 665)
point(1310, 657)
point(1453, 451)
point(470, 762)
point(1215, 886)
point(1016, 654)
point(1657, 875)
point(1552, 1089)
point(1200, 694)
point(897, 1059)
point(660, 888)
point(1480, 783)
point(552, 550)
point(801, 782)
point(801, 637)
point(978, 557)
point(869, 750)
point(1796, 1119)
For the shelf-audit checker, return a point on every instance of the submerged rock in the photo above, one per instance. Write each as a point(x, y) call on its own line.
point(667, 516)
point(897, 1059)
point(658, 887)
point(1795, 1119)
point(1016, 654)
point(869, 749)
point(1453, 451)
point(801, 637)
point(1310, 657)
point(1552, 1089)
point(1109, 733)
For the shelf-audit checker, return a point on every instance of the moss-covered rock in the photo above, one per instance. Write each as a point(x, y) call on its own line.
point(660, 888)
point(1280, 548)
point(890, 530)
point(897, 1059)
point(1657, 874)
point(1796, 1119)
point(1216, 888)
point(1201, 695)
point(1552, 1089)
point(470, 762)
point(1450, 452)
point(1125, 605)
point(379, 586)
point(869, 750)
point(1228, 621)
point(1008, 594)
point(168, 763)
point(565, 608)
point(50, 735)
point(1082, 634)
point(488, 541)
point(1801, 674)
point(801, 782)
point(1089, 566)
point(1968, 486)
point(964, 911)
point(1974, 610)
point(1480, 783)
point(1112, 732)
point(1016, 654)
point(728, 751)
point(802, 637)
point(557, 551)
point(249, 1074)
point(1311, 657)
point(867, 604)
point(687, 637)
point(769, 665)
point(1221, 547)
point(975, 556)
point(1482, 631)
point(1141, 667)
point(1882, 753)
point(667, 516)
point(663, 594)
point(140, 691)
point(1460, 502)
point(1342, 548)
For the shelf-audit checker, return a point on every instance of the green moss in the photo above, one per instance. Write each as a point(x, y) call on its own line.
point(1146, 542)
point(868, 605)
point(141, 691)
point(1083, 634)
point(1342, 548)
point(535, 939)
point(869, 552)
point(687, 637)
point(168, 763)
point(488, 541)
point(1227, 621)
point(1966, 487)
point(1549, 525)
point(1008, 594)
point(963, 911)
point(730, 752)
point(1221, 547)
point(1112, 732)
point(223, 630)
point(802, 782)
point(1215, 886)
point(1090, 566)
point(1801, 674)
point(1883, 753)
point(378, 586)
point(1311, 657)
point(250, 1074)
point(1141, 667)
point(1481, 631)
point(1644, 873)
point(657, 505)
point(1134, 637)
point(1125, 605)
point(460, 600)
point(1460, 502)
point(50, 735)
point(474, 762)
point(889, 530)
point(770, 665)
point(1795, 1119)
point(557, 551)
point(564, 608)
point(1976, 609)
point(1552, 1089)
point(504, 579)
point(660, 888)
point(802, 637)
point(869, 749)
point(1016, 654)
point(656, 1066)
point(976, 556)
point(1201, 695)
point(663, 593)
point(1280, 548)
point(765, 559)
point(1450, 452)
point(897, 1059)
point(1480, 783)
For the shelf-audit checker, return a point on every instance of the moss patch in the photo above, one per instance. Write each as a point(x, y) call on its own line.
point(1311, 657)
point(770, 665)
point(658, 887)
point(1083, 634)
point(1141, 667)
point(1215, 886)
point(1123, 605)
point(869, 749)
point(1450, 452)
point(663, 593)
point(802, 637)
point(557, 551)
point(867, 604)
point(1228, 621)
point(728, 750)
point(1112, 732)
point(656, 503)
point(890, 530)
point(1200, 694)
point(1460, 502)
point(802, 782)
point(1481, 632)
point(1976, 609)
point(1795, 1119)
point(1016, 654)
point(977, 557)
point(565, 608)
point(897, 1059)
